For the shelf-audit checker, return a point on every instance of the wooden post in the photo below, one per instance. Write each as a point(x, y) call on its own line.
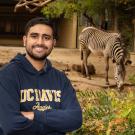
point(134, 34)
point(132, 54)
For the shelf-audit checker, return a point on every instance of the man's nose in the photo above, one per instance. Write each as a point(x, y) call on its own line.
point(40, 41)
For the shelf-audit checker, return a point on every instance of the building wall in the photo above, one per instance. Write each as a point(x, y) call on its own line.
point(67, 32)
point(12, 27)
point(11, 42)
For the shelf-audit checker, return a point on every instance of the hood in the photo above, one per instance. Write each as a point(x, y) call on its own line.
point(22, 61)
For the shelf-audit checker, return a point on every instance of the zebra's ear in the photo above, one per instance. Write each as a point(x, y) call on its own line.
point(113, 61)
point(128, 62)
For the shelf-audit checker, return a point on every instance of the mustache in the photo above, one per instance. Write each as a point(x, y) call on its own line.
point(42, 46)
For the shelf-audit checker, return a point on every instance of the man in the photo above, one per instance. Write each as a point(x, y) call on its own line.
point(1, 131)
point(36, 98)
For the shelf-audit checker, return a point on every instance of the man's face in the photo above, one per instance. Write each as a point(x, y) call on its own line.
point(39, 41)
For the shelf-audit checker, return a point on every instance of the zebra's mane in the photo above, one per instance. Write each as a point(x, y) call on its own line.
point(101, 30)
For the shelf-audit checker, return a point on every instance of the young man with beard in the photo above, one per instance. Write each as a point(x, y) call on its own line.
point(36, 98)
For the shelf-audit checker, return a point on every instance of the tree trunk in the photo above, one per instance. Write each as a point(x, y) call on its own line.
point(89, 19)
point(116, 17)
point(116, 21)
point(102, 21)
point(134, 35)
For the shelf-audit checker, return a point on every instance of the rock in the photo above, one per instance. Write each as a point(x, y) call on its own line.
point(77, 68)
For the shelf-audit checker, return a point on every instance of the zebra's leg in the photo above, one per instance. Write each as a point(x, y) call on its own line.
point(83, 69)
point(86, 53)
point(106, 70)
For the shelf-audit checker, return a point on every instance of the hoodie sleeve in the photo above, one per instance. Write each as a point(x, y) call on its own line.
point(10, 117)
point(1, 130)
point(66, 119)
point(11, 120)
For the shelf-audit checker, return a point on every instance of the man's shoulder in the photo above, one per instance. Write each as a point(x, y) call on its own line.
point(8, 68)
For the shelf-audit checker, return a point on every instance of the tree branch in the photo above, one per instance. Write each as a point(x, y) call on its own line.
point(31, 5)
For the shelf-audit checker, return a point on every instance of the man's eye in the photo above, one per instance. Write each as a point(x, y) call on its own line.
point(47, 37)
point(33, 36)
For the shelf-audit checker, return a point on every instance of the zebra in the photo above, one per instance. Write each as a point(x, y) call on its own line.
point(92, 39)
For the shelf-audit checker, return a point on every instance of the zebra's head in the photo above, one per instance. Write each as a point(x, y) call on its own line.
point(120, 74)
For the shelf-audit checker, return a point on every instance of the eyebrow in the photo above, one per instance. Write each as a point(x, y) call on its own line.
point(38, 34)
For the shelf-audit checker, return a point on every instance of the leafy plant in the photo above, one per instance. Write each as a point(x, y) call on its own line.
point(107, 113)
point(132, 78)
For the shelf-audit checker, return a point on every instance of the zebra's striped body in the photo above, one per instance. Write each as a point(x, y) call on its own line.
point(94, 40)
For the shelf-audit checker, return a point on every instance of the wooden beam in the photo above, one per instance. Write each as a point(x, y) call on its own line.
point(31, 5)
point(134, 34)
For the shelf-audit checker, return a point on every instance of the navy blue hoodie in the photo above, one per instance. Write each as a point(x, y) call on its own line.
point(48, 93)
point(1, 131)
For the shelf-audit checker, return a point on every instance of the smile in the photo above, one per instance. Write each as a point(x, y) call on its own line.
point(39, 48)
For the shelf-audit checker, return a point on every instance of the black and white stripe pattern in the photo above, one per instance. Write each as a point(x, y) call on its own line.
point(96, 40)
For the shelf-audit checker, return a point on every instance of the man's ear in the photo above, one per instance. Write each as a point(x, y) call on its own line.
point(24, 40)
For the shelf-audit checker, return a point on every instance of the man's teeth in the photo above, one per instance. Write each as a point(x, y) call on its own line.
point(39, 48)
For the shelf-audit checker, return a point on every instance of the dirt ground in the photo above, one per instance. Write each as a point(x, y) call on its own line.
point(64, 59)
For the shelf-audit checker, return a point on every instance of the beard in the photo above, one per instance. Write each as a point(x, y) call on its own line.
point(38, 56)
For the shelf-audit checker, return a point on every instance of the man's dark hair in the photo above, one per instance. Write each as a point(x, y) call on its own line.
point(39, 20)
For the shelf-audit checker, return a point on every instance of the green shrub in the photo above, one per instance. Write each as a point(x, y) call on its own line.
point(107, 113)
point(132, 78)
